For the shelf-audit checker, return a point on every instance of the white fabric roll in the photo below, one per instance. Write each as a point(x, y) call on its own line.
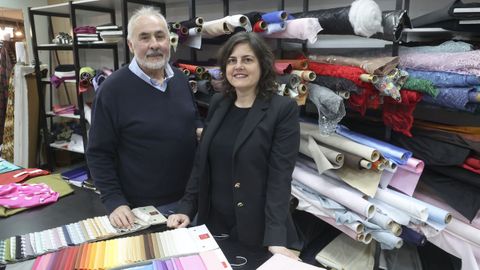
point(409, 206)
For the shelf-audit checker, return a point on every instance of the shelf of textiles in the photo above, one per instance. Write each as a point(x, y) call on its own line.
point(77, 246)
point(83, 77)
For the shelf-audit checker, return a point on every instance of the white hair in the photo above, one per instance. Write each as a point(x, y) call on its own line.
point(144, 11)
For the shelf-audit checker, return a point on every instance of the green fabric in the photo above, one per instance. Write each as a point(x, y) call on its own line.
point(54, 181)
point(8, 257)
point(421, 85)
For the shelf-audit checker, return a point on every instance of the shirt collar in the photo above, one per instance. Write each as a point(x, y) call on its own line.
point(135, 68)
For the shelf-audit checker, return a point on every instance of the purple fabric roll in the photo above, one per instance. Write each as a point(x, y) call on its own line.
point(453, 97)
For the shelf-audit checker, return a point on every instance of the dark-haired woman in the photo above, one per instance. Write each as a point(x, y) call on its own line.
point(240, 184)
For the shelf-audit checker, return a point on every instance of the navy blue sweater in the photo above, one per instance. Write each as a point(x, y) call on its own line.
point(142, 141)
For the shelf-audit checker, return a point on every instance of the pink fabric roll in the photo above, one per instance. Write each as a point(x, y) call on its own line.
point(282, 68)
point(304, 29)
point(406, 177)
point(461, 62)
point(334, 190)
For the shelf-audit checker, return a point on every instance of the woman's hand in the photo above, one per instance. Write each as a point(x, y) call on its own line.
point(284, 251)
point(178, 221)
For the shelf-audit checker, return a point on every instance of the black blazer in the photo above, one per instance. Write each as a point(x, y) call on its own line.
point(263, 160)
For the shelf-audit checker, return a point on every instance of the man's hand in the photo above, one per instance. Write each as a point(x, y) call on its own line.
point(178, 221)
point(122, 217)
point(284, 251)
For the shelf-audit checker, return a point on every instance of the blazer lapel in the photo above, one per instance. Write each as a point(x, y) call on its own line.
point(257, 112)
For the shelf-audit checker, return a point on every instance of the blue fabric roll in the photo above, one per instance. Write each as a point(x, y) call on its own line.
point(454, 98)
point(410, 236)
point(274, 28)
point(216, 73)
point(389, 151)
point(444, 79)
point(273, 17)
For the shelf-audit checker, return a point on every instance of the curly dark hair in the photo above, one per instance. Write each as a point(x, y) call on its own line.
point(266, 86)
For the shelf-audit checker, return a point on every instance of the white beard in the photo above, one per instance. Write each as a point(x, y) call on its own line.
point(143, 62)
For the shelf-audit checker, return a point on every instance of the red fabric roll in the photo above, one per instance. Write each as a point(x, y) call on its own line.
point(192, 68)
point(260, 26)
point(399, 115)
point(472, 164)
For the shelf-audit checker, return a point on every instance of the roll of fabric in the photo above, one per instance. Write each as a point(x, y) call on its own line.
point(304, 29)
point(474, 97)
point(444, 79)
point(205, 87)
point(333, 190)
point(185, 71)
point(282, 68)
point(319, 153)
point(182, 33)
point(406, 177)
point(450, 46)
point(409, 206)
point(399, 115)
point(274, 28)
point(193, 85)
point(394, 213)
point(343, 94)
point(215, 28)
point(174, 40)
point(394, 21)
point(306, 75)
point(275, 16)
point(216, 73)
point(291, 80)
point(239, 21)
point(455, 98)
point(381, 220)
point(377, 66)
point(412, 237)
point(389, 151)
point(295, 63)
point(21, 52)
point(193, 22)
point(336, 84)
point(260, 26)
point(362, 17)
point(355, 161)
point(422, 86)
point(253, 17)
point(192, 68)
point(463, 62)
point(173, 25)
point(341, 143)
point(330, 106)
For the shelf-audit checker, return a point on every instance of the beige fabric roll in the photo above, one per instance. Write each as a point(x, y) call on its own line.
point(340, 142)
point(377, 66)
point(324, 158)
point(306, 75)
point(216, 28)
point(239, 21)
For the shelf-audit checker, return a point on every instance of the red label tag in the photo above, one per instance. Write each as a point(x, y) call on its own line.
point(204, 236)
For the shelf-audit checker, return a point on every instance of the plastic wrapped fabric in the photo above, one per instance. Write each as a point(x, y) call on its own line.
point(331, 108)
point(394, 21)
point(362, 17)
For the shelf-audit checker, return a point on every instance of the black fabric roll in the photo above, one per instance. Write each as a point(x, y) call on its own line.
point(253, 17)
point(458, 173)
point(337, 84)
point(192, 22)
point(291, 80)
point(413, 237)
point(394, 21)
point(462, 197)
point(333, 20)
point(205, 87)
point(431, 151)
